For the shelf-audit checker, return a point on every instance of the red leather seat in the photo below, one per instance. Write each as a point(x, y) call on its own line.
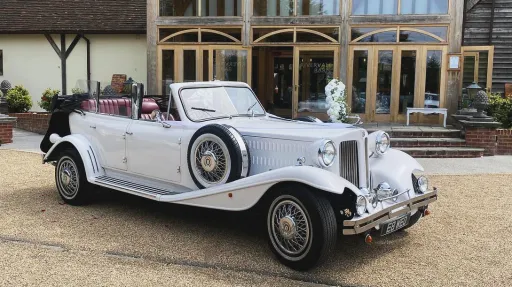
point(121, 107)
point(148, 106)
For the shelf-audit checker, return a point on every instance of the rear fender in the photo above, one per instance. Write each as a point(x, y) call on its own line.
point(81, 144)
point(245, 193)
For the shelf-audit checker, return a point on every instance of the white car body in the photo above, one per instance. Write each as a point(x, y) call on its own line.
point(146, 159)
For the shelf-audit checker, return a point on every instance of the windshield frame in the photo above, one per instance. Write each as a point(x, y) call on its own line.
point(219, 117)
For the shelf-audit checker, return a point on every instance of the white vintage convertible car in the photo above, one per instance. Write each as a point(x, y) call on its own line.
point(212, 145)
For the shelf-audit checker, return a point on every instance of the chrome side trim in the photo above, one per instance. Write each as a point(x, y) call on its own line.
point(357, 226)
point(243, 148)
point(131, 187)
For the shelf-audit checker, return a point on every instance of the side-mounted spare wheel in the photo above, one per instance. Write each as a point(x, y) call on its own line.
point(217, 154)
point(70, 178)
point(301, 225)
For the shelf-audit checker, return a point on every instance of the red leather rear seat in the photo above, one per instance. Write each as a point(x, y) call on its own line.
point(120, 107)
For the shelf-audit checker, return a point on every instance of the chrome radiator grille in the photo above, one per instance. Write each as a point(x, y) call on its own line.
point(349, 162)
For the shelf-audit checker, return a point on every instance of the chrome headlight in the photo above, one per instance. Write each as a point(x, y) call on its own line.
point(360, 205)
point(423, 183)
point(326, 153)
point(382, 143)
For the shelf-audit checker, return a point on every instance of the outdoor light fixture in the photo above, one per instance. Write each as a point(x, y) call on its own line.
point(473, 90)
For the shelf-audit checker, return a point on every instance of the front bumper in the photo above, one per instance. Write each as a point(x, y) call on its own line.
point(361, 225)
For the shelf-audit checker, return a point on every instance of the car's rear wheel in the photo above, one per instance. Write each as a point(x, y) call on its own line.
point(301, 227)
point(70, 178)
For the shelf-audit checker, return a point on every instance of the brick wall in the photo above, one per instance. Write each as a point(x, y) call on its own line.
point(6, 133)
point(482, 138)
point(33, 122)
point(504, 139)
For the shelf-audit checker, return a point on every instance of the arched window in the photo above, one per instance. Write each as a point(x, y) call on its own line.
point(400, 35)
point(201, 35)
point(328, 35)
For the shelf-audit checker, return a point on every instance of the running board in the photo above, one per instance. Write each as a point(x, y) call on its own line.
point(132, 188)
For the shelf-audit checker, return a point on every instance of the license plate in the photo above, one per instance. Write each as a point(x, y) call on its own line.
point(392, 226)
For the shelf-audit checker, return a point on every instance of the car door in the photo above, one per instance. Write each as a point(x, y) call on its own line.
point(108, 135)
point(154, 151)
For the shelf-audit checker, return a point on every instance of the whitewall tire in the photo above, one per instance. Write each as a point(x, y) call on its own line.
point(70, 178)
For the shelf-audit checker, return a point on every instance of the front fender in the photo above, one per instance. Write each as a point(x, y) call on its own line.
point(395, 168)
point(246, 192)
point(81, 144)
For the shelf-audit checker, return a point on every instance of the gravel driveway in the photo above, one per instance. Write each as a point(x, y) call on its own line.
point(120, 240)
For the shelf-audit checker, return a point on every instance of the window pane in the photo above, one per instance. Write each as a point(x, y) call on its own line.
point(273, 7)
point(433, 82)
point(186, 37)
point(407, 81)
point(359, 82)
point(384, 81)
point(189, 66)
point(468, 75)
point(213, 37)
point(303, 37)
point(374, 7)
point(424, 7)
point(318, 7)
point(358, 32)
point(276, 38)
point(221, 8)
point(441, 32)
point(415, 37)
point(178, 8)
point(230, 65)
point(383, 37)
point(483, 59)
point(167, 70)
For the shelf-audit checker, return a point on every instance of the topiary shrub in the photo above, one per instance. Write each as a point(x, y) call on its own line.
point(46, 99)
point(500, 109)
point(18, 100)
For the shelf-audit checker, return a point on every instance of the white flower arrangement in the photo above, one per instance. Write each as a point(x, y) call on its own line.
point(338, 109)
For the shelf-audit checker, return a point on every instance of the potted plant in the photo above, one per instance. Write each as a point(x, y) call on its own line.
point(46, 99)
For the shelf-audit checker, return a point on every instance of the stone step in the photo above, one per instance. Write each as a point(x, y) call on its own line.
point(443, 152)
point(427, 142)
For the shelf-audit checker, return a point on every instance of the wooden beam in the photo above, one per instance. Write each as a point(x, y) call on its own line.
point(401, 19)
point(72, 46)
point(306, 20)
point(63, 63)
point(52, 43)
point(196, 21)
point(152, 55)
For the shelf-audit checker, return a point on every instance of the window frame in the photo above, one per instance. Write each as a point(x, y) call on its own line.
point(398, 12)
point(294, 14)
point(398, 28)
point(1, 62)
point(199, 10)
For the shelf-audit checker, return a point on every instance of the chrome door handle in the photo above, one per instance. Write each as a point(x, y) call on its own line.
point(129, 133)
point(92, 127)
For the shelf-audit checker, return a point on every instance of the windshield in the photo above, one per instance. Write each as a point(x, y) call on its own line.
point(208, 103)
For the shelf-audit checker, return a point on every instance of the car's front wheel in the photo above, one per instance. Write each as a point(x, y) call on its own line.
point(301, 227)
point(70, 178)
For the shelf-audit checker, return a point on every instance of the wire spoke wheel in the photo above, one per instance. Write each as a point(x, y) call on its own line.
point(290, 228)
point(211, 160)
point(68, 178)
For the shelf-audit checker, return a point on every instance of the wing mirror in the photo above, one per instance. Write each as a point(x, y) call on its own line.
point(160, 119)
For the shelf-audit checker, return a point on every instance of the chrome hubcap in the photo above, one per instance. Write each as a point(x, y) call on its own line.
point(68, 178)
point(209, 161)
point(290, 227)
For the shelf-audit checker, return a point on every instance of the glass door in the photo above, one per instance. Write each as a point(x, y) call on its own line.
point(384, 93)
point(283, 85)
point(409, 88)
point(358, 85)
point(314, 68)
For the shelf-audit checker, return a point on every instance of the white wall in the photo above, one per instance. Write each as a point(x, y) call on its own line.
point(29, 60)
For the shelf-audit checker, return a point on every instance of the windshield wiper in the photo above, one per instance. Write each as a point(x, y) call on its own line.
point(203, 110)
point(251, 107)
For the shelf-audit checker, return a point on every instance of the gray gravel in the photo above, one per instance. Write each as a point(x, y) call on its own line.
point(461, 166)
point(123, 240)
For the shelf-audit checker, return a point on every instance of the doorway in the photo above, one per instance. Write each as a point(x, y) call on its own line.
point(385, 80)
point(290, 81)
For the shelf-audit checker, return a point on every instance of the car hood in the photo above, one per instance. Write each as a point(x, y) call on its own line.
point(269, 127)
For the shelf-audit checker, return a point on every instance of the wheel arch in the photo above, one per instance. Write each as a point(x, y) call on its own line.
point(83, 147)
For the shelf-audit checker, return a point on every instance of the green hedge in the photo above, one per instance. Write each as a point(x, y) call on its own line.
point(500, 109)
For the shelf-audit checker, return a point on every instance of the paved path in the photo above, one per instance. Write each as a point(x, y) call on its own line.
point(24, 141)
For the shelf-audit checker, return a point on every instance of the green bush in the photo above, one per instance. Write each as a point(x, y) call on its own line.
point(46, 99)
point(500, 109)
point(18, 100)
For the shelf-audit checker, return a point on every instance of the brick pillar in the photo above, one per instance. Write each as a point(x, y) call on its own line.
point(504, 142)
point(6, 127)
point(485, 138)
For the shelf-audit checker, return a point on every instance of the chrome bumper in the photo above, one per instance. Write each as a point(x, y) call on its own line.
point(361, 225)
